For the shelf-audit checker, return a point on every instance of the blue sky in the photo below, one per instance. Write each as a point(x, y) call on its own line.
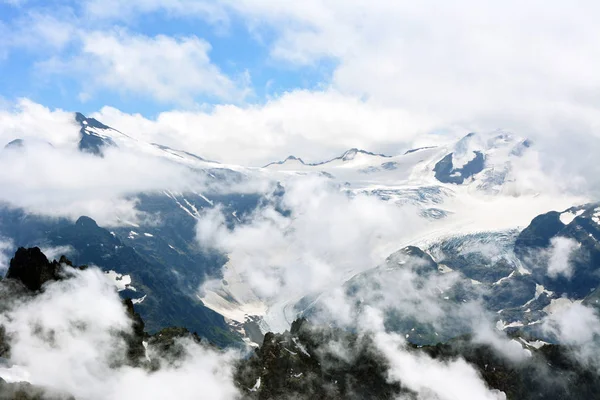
point(236, 51)
point(310, 78)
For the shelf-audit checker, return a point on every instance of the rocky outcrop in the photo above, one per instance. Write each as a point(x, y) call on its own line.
point(32, 268)
point(301, 364)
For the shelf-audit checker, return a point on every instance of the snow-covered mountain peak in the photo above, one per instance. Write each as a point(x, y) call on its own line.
point(94, 135)
point(290, 160)
point(350, 158)
point(351, 154)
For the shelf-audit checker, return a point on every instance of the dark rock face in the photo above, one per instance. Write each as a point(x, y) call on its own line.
point(446, 173)
point(167, 345)
point(533, 246)
point(539, 232)
point(551, 372)
point(171, 298)
point(134, 340)
point(90, 141)
point(4, 346)
point(32, 268)
point(298, 365)
point(15, 144)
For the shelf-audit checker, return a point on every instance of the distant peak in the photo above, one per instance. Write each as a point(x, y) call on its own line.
point(91, 122)
point(20, 143)
point(289, 158)
point(351, 154)
point(86, 222)
point(348, 155)
point(91, 141)
point(17, 143)
point(294, 158)
point(419, 149)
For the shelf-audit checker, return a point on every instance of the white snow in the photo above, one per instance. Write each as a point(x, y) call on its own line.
point(444, 269)
point(145, 344)
point(505, 278)
point(539, 289)
point(501, 325)
point(300, 346)
point(567, 217)
point(121, 282)
point(256, 385)
point(596, 216)
point(140, 300)
point(538, 344)
point(471, 209)
point(557, 305)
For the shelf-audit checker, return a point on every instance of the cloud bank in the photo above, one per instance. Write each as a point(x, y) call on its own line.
point(68, 339)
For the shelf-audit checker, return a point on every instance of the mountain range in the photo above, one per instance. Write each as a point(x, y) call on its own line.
point(485, 232)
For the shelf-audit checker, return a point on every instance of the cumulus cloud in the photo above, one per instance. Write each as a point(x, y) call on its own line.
point(312, 125)
point(427, 68)
point(577, 325)
point(26, 119)
point(50, 176)
point(398, 71)
point(557, 260)
point(326, 236)
point(67, 183)
point(67, 339)
point(560, 252)
point(55, 252)
point(431, 379)
point(169, 69)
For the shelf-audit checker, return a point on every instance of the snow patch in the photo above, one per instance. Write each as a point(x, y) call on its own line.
point(567, 217)
point(256, 385)
point(538, 344)
point(140, 300)
point(557, 305)
point(121, 282)
point(501, 325)
point(596, 216)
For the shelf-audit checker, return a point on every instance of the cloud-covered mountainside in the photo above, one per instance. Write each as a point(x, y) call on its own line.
point(65, 330)
point(467, 270)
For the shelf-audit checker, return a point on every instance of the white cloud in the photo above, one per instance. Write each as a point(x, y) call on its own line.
point(55, 252)
point(313, 125)
point(326, 237)
point(66, 339)
point(168, 69)
point(466, 56)
point(431, 379)
point(557, 259)
point(560, 252)
point(50, 176)
point(28, 120)
point(60, 182)
point(577, 326)
point(39, 31)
